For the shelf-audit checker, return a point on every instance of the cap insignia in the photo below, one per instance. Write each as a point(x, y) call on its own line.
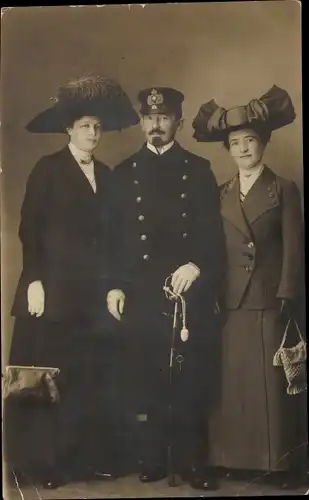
point(154, 99)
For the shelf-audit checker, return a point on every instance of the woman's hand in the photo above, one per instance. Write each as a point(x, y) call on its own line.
point(36, 298)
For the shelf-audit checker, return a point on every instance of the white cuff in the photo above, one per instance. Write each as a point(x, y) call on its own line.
point(196, 267)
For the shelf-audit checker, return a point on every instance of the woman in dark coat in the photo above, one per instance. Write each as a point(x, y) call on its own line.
point(60, 311)
point(257, 425)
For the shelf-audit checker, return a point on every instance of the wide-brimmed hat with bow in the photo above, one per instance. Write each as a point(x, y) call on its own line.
point(271, 111)
point(87, 96)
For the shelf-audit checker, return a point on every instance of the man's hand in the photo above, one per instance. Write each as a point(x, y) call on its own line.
point(115, 303)
point(36, 298)
point(183, 277)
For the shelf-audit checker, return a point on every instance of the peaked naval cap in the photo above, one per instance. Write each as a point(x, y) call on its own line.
point(160, 100)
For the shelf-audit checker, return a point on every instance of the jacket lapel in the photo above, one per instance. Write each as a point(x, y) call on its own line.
point(103, 179)
point(231, 208)
point(78, 180)
point(262, 197)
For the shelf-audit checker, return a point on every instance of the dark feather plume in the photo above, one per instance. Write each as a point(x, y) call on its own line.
point(88, 95)
point(89, 87)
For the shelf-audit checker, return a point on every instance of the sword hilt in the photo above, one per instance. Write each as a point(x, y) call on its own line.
point(171, 295)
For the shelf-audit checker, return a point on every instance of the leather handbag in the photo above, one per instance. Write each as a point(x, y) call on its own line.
point(35, 382)
point(293, 361)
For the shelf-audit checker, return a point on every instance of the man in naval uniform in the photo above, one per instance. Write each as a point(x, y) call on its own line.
point(166, 222)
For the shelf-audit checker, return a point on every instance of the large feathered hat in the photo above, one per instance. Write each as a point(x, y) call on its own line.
point(271, 111)
point(87, 96)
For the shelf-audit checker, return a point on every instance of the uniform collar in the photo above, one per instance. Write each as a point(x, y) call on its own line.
point(165, 148)
point(175, 149)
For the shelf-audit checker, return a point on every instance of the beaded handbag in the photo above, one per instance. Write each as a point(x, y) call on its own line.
point(293, 361)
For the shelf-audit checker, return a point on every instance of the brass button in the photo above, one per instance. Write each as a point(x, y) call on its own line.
point(184, 215)
point(184, 235)
point(248, 269)
point(141, 217)
point(186, 161)
point(134, 164)
point(184, 177)
point(183, 196)
point(143, 237)
point(251, 244)
point(135, 181)
point(138, 199)
point(146, 256)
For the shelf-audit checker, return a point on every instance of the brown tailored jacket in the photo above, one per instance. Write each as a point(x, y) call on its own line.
point(264, 240)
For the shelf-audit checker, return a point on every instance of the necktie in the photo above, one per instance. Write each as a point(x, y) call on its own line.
point(86, 161)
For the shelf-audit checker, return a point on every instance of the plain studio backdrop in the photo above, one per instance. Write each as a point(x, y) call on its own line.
point(229, 51)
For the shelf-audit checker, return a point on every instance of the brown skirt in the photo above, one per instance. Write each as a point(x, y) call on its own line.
point(257, 425)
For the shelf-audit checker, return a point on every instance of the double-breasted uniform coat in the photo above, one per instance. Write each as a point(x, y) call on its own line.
point(257, 424)
point(64, 238)
point(166, 214)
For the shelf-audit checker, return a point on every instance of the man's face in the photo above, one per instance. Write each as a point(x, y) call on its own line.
point(85, 133)
point(246, 148)
point(159, 129)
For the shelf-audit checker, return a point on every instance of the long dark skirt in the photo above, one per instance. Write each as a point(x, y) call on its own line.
point(257, 425)
point(85, 425)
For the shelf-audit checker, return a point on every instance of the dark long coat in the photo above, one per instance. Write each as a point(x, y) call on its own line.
point(63, 232)
point(254, 428)
point(166, 214)
point(64, 238)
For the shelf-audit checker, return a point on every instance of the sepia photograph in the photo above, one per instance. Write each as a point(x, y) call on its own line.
point(153, 311)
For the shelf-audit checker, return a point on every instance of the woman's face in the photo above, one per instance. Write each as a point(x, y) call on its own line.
point(246, 148)
point(85, 133)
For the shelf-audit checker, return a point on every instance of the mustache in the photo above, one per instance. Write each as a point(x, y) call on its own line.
point(156, 131)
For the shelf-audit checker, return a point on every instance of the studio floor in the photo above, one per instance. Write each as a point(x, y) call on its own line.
point(130, 487)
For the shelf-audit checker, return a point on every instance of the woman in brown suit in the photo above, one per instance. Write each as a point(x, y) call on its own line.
point(256, 424)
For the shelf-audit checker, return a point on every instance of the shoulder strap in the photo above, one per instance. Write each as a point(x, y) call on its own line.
point(286, 332)
point(298, 330)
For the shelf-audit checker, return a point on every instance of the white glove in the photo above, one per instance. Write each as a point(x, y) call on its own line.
point(115, 303)
point(36, 298)
point(184, 276)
